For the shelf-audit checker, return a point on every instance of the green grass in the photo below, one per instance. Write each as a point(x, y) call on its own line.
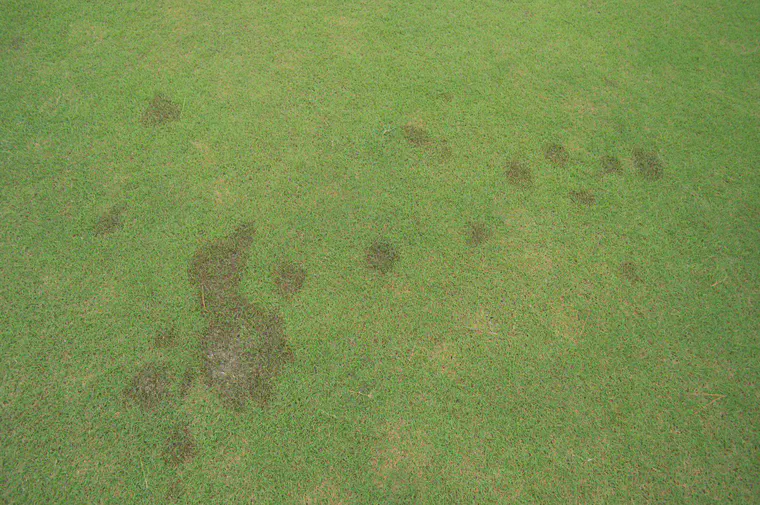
point(587, 334)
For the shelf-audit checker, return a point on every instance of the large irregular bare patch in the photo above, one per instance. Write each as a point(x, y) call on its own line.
point(244, 347)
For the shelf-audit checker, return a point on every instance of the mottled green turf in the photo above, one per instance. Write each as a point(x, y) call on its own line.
point(554, 326)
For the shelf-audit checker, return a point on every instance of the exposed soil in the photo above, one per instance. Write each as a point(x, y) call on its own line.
point(382, 256)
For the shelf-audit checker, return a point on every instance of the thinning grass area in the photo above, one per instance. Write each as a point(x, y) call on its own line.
point(379, 252)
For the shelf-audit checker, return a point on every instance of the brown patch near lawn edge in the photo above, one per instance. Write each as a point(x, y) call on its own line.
point(244, 347)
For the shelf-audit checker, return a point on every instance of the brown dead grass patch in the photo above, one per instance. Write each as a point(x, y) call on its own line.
point(556, 154)
point(180, 446)
point(110, 221)
point(289, 278)
point(477, 233)
point(150, 386)
point(648, 163)
point(244, 347)
point(583, 197)
point(416, 134)
point(160, 111)
point(611, 165)
point(519, 174)
point(382, 256)
point(630, 270)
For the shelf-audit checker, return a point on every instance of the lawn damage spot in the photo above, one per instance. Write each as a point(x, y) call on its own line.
point(611, 165)
point(630, 271)
point(583, 197)
point(476, 234)
point(150, 386)
point(648, 163)
point(382, 256)
point(165, 338)
point(244, 347)
point(416, 134)
point(110, 221)
point(160, 111)
point(519, 174)
point(289, 278)
point(180, 446)
point(556, 154)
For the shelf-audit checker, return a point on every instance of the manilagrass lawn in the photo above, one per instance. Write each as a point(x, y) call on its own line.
point(379, 252)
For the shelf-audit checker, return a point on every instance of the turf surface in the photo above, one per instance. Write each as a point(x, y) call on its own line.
point(379, 252)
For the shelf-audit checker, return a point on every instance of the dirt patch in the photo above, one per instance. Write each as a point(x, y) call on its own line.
point(289, 278)
point(150, 386)
point(648, 163)
point(519, 174)
point(110, 221)
point(180, 446)
point(630, 271)
point(583, 197)
point(416, 135)
point(244, 347)
point(611, 165)
point(160, 111)
point(382, 256)
point(165, 338)
point(477, 234)
point(556, 154)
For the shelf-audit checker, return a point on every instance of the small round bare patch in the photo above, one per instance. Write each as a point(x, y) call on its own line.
point(583, 197)
point(519, 174)
point(556, 154)
point(110, 221)
point(289, 278)
point(611, 165)
point(382, 256)
point(150, 386)
point(160, 111)
point(476, 234)
point(180, 446)
point(648, 163)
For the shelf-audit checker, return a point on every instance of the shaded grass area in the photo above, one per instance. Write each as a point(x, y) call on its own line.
point(436, 305)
